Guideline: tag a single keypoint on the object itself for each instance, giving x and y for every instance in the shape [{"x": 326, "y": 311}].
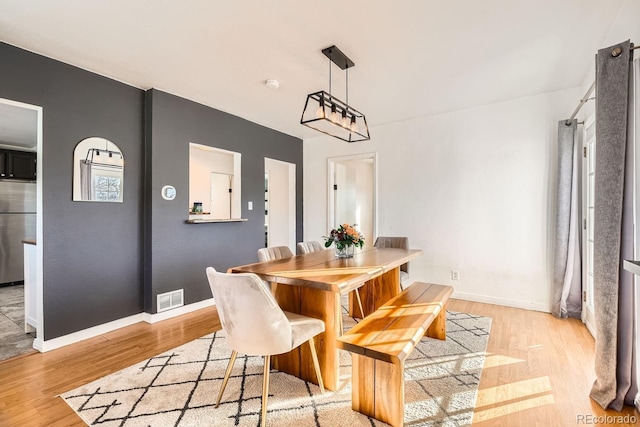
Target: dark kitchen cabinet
[
  {"x": 3, "y": 164},
  {"x": 17, "y": 165}
]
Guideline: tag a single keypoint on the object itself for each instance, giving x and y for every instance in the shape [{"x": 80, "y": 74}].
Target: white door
[
  {"x": 221, "y": 190},
  {"x": 589, "y": 179},
  {"x": 280, "y": 207}
]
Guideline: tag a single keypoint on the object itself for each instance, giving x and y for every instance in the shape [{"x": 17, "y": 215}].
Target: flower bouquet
[{"x": 346, "y": 238}]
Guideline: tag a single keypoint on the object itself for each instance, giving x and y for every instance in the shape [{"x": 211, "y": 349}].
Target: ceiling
[
  {"x": 18, "y": 127},
  {"x": 413, "y": 58}
]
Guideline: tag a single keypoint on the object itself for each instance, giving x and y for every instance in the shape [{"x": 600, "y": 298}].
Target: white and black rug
[{"x": 179, "y": 387}]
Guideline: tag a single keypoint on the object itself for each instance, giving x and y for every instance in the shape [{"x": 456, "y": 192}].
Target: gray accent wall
[
  {"x": 180, "y": 252},
  {"x": 107, "y": 261},
  {"x": 92, "y": 268}
]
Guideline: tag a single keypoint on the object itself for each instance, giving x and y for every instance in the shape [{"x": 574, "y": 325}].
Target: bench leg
[
  {"x": 377, "y": 389},
  {"x": 438, "y": 328}
]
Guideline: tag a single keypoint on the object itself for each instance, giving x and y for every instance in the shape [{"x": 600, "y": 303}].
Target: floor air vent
[{"x": 170, "y": 300}]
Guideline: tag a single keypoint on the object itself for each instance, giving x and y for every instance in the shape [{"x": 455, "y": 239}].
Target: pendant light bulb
[
  {"x": 320, "y": 111},
  {"x": 354, "y": 125},
  {"x": 333, "y": 116},
  {"x": 344, "y": 122}
]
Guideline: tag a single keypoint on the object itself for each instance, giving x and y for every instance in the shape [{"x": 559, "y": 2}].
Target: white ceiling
[
  {"x": 18, "y": 127},
  {"x": 413, "y": 57}
]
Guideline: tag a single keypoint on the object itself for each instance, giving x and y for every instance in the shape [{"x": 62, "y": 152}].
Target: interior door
[
  {"x": 280, "y": 204},
  {"x": 221, "y": 190},
  {"x": 589, "y": 179}
]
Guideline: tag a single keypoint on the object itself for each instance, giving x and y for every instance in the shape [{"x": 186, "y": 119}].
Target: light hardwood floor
[{"x": 538, "y": 371}]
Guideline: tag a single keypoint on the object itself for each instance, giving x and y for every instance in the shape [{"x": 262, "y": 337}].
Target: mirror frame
[{"x": 88, "y": 152}]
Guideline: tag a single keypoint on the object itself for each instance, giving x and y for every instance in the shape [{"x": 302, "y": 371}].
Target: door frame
[
  {"x": 38, "y": 342},
  {"x": 588, "y": 315},
  {"x": 331, "y": 167}
]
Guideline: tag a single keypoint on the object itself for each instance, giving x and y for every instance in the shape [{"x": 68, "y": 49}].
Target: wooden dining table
[{"x": 313, "y": 284}]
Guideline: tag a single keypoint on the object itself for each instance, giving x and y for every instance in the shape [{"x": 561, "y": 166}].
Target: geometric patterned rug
[{"x": 179, "y": 387}]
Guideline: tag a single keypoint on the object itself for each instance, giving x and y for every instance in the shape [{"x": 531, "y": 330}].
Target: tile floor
[{"x": 13, "y": 340}]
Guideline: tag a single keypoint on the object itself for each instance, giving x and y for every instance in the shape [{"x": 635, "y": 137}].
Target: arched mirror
[{"x": 98, "y": 171}]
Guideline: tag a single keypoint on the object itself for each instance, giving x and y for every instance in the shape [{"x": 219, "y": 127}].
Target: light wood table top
[{"x": 322, "y": 270}]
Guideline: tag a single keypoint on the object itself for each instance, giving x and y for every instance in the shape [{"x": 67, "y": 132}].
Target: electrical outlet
[
  {"x": 455, "y": 275},
  {"x": 250, "y": 206}
]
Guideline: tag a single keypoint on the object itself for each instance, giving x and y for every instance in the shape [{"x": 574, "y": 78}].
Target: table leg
[
  {"x": 322, "y": 305},
  {"x": 376, "y": 292}
]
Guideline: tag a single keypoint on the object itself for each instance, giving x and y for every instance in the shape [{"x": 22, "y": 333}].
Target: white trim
[
  {"x": 588, "y": 316},
  {"x": 158, "y": 317},
  {"x": 636, "y": 214},
  {"x": 84, "y": 334},
  {"x": 73, "y": 338},
  {"x": 527, "y": 305},
  {"x": 39, "y": 253}
]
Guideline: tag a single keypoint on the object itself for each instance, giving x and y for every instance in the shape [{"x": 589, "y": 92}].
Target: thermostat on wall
[{"x": 168, "y": 192}]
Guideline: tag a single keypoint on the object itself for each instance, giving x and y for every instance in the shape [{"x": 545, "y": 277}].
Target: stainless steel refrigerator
[{"x": 17, "y": 223}]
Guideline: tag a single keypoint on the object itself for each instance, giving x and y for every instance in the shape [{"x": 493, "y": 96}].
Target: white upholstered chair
[
  {"x": 255, "y": 324},
  {"x": 400, "y": 243},
  {"x": 308, "y": 247},
  {"x": 273, "y": 253}
]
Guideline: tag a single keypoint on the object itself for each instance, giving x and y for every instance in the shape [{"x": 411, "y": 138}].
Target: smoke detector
[{"x": 272, "y": 84}]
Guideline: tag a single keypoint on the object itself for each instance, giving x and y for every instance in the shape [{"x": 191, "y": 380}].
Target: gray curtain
[
  {"x": 615, "y": 382},
  {"x": 567, "y": 274},
  {"x": 85, "y": 179}
]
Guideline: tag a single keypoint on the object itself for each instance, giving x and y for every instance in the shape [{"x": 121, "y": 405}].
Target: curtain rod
[
  {"x": 583, "y": 101},
  {"x": 585, "y": 98}
]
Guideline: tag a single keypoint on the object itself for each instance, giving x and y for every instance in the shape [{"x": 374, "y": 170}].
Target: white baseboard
[
  {"x": 158, "y": 317},
  {"x": 52, "y": 344},
  {"x": 48, "y": 345},
  {"x": 527, "y": 305}
]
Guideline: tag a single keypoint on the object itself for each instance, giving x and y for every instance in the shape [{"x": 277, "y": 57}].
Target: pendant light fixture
[{"x": 329, "y": 115}]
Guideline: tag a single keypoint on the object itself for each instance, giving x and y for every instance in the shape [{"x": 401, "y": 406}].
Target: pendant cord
[
  {"x": 329, "y": 77},
  {"x": 347, "y": 87}
]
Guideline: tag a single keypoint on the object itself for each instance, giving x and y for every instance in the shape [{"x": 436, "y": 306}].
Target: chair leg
[
  {"x": 265, "y": 390},
  {"x": 316, "y": 365},
  {"x": 226, "y": 375},
  {"x": 355, "y": 291}
]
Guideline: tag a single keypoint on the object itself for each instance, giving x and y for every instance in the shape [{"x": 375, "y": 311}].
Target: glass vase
[{"x": 345, "y": 251}]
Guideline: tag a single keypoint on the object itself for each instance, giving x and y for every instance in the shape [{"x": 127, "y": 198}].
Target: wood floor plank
[
  {"x": 29, "y": 386},
  {"x": 538, "y": 371}
]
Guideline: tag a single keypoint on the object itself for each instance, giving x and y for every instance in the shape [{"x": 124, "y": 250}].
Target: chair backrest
[
  {"x": 394, "y": 242},
  {"x": 273, "y": 253},
  {"x": 251, "y": 317},
  {"x": 308, "y": 247}
]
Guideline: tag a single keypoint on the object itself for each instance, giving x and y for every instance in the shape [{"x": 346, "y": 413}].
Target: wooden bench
[{"x": 381, "y": 343}]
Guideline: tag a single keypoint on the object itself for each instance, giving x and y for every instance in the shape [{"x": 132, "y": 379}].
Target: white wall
[
  {"x": 625, "y": 27},
  {"x": 474, "y": 189}
]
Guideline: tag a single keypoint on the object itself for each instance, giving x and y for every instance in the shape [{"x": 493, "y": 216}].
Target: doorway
[
  {"x": 21, "y": 138},
  {"x": 280, "y": 203},
  {"x": 588, "y": 210},
  {"x": 352, "y": 194}
]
